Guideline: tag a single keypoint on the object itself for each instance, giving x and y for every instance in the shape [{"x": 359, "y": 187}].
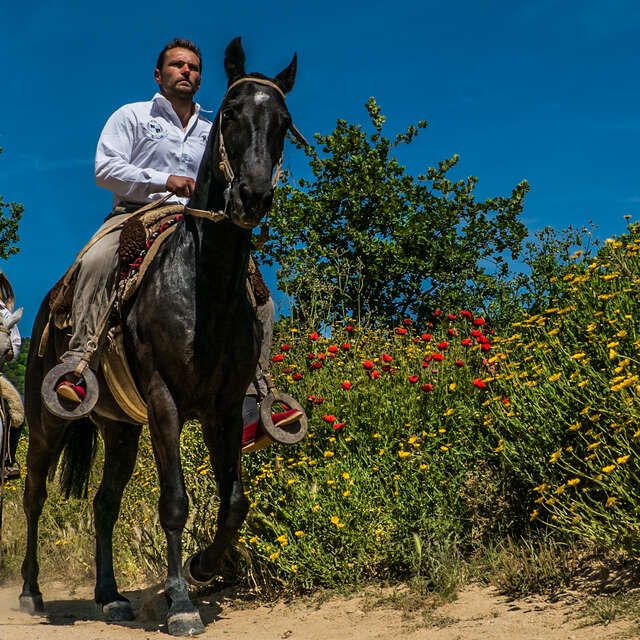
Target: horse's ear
[
  {"x": 14, "y": 318},
  {"x": 234, "y": 60},
  {"x": 285, "y": 79}
]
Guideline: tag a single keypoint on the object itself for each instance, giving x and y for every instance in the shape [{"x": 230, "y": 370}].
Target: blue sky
[{"x": 545, "y": 91}]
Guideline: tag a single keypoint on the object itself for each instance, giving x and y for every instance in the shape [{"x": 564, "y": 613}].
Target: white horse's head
[{"x": 6, "y": 324}]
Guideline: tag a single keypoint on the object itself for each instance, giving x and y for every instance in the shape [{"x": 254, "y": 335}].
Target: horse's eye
[{"x": 227, "y": 115}]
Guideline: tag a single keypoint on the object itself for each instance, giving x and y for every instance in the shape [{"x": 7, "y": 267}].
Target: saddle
[{"x": 142, "y": 235}]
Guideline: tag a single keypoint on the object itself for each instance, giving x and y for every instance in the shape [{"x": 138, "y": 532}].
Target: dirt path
[{"x": 478, "y": 613}]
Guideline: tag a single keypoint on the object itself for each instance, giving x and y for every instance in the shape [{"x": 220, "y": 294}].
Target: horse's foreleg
[
  {"x": 121, "y": 446},
  {"x": 183, "y": 618},
  {"x": 223, "y": 443},
  {"x": 43, "y": 445}
]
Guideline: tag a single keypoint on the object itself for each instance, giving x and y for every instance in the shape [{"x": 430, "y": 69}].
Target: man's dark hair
[{"x": 183, "y": 44}]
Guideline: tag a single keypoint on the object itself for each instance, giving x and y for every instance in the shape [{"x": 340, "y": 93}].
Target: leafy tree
[
  {"x": 365, "y": 238},
  {"x": 10, "y": 214}
]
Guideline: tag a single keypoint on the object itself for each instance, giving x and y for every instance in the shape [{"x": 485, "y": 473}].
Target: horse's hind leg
[
  {"x": 223, "y": 442},
  {"x": 121, "y": 447},
  {"x": 45, "y": 434}
]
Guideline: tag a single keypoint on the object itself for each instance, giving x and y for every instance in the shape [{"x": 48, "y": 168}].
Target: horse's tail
[{"x": 76, "y": 455}]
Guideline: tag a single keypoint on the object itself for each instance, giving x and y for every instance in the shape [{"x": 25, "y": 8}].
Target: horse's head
[
  {"x": 7, "y": 321},
  {"x": 252, "y": 124}
]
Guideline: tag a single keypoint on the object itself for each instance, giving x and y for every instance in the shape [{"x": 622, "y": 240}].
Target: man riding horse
[{"x": 147, "y": 151}]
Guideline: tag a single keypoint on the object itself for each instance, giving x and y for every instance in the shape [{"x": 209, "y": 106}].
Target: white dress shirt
[
  {"x": 142, "y": 144},
  {"x": 16, "y": 340}
]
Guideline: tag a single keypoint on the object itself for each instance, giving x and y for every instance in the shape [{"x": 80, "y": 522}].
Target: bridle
[{"x": 225, "y": 165}]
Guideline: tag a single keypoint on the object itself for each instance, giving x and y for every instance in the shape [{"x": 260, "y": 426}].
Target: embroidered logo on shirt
[
  {"x": 204, "y": 137},
  {"x": 154, "y": 130}
]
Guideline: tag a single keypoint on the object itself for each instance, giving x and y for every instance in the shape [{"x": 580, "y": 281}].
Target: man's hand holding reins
[{"x": 181, "y": 185}]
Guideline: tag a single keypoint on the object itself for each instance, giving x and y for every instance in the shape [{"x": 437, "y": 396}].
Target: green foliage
[
  {"x": 15, "y": 369},
  {"x": 10, "y": 214},
  {"x": 571, "y": 374},
  {"x": 365, "y": 238}
]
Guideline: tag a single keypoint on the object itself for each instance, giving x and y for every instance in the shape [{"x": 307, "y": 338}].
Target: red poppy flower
[
  {"x": 401, "y": 331},
  {"x": 311, "y": 356},
  {"x": 459, "y": 363},
  {"x": 467, "y": 342},
  {"x": 311, "y": 398},
  {"x": 346, "y": 346},
  {"x": 349, "y": 329},
  {"x": 316, "y": 365},
  {"x": 505, "y": 402},
  {"x": 475, "y": 333},
  {"x": 331, "y": 355},
  {"x": 318, "y": 400},
  {"x": 287, "y": 370},
  {"x": 386, "y": 367},
  {"x": 367, "y": 364},
  {"x": 485, "y": 346},
  {"x": 284, "y": 347},
  {"x": 438, "y": 356},
  {"x": 452, "y": 316},
  {"x": 413, "y": 379},
  {"x": 443, "y": 345},
  {"x": 427, "y": 387},
  {"x": 346, "y": 385},
  {"x": 482, "y": 339},
  {"x": 332, "y": 348},
  {"x": 479, "y": 322},
  {"x": 330, "y": 418},
  {"x": 278, "y": 358},
  {"x": 425, "y": 364},
  {"x": 406, "y": 321},
  {"x": 427, "y": 358},
  {"x": 437, "y": 312},
  {"x": 426, "y": 337},
  {"x": 416, "y": 340},
  {"x": 339, "y": 425},
  {"x": 479, "y": 383},
  {"x": 296, "y": 376},
  {"x": 385, "y": 357},
  {"x": 314, "y": 335},
  {"x": 375, "y": 374},
  {"x": 466, "y": 314},
  {"x": 452, "y": 332},
  {"x": 322, "y": 356}
]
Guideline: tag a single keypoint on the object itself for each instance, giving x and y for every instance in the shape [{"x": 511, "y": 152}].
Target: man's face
[{"x": 180, "y": 74}]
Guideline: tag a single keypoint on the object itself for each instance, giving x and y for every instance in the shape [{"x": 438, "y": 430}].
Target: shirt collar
[{"x": 164, "y": 105}]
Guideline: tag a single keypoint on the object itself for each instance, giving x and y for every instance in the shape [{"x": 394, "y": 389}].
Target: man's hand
[{"x": 181, "y": 185}]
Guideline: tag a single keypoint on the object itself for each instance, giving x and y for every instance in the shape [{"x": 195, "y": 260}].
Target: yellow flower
[
  {"x": 346, "y": 475},
  {"x": 335, "y": 519},
  {"x": 274, "y": 555},
  {"x": 578, "y": 356},
  {"x": 573, "y": 482},
  {"x": 403, "y": 454},
  {"x": 315, "y": 508},
  {"x": 623, "y": 459},
  {"x": 611, "y": 501},
  {"x": 533, "y": 515},
  {"x": 609, "y": 468},
  {"x": 452, "y": 386},
  {"x": 253, "y": 539},
  {"x": 328, "y": 454},
  {"x": 448, "y": 412},
  {"x": 282, "y": 540},
  {"x": 294, "y": 568},
  {"x": 555, "y": 377},
  {"x": 298, "y": 534},
  {"x": 346, "y": 493}
]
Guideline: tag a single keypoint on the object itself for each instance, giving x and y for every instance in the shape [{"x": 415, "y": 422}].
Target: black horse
[{"x": 192, "y": 341}]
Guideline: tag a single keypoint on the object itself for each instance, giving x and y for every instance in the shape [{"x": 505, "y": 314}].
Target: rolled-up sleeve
[{"x": 113, "y": 168}]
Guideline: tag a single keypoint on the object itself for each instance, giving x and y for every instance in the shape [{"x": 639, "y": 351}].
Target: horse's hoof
[
  {"x": 185, "y": 624},
  {"x": 188, "y": 576},
  {"x": 118, "y": 611},
  {"x": 32, "y": 605}
]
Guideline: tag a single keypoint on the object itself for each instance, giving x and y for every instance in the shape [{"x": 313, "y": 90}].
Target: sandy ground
[{"x": 477, "y": 613}]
